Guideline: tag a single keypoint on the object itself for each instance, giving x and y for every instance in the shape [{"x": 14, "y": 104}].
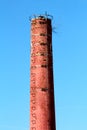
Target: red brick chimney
[{"x": 42, "y": 110}]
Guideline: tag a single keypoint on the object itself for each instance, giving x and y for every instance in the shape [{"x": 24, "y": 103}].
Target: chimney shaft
[{"x": 42, "y": 111}]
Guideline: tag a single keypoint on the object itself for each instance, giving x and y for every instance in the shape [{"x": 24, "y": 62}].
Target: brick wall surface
[{"x": 42, "y": 113}]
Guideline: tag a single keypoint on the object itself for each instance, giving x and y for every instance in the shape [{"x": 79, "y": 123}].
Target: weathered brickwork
[{"x": 42, "y": 113}]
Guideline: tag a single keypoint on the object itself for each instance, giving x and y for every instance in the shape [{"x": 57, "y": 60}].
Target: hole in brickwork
[
  {"x": 42, "y": 34},
  {"x": 44, "y": 89},
  {"x": 32, "y": 60},
  {"x": 43, "y": 44},
  {"x": 45, "y": 66},
  {"x": 44, "y": 60},
  {"x": 42, "y": 22},
  {"x": 33, "y": 67},
  {"x": 40, "y": 54}
]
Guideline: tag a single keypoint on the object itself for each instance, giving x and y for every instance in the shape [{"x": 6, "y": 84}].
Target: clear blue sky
[{"x": 70, "y": 62}]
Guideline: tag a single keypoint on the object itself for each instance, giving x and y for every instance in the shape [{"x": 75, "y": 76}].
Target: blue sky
[{"x": 70, "y": 62}]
